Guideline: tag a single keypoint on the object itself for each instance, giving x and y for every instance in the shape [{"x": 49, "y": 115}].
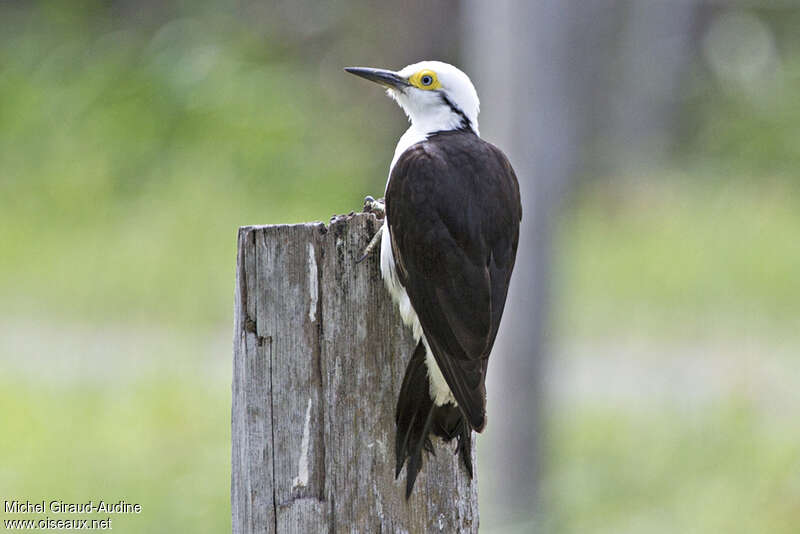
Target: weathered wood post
[{"x": 319, "y": 356}]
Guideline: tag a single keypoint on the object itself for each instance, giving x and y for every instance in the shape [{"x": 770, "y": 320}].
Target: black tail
[{"x": 417, "y": 416}]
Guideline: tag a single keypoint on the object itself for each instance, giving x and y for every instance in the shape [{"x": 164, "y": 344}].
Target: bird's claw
[
  {"x": 376, "y": 207},
  {"x": 373, "y": 243}
]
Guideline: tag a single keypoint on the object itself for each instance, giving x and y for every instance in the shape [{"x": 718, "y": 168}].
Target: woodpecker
[{"x": 448, "y": 246}]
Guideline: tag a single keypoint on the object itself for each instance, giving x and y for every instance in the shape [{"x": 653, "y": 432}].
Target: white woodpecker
[{"x": 447, "y": 252}]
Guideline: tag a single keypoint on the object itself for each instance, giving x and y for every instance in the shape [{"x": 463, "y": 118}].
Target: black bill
[{"x": 381, "y": 76}]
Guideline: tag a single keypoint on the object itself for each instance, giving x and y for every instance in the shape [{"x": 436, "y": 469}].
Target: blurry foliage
[
  {"x": 161, "y": 443},
  {"x": 721, "y": 469},
  {"x": 742, "y": 115},
  {"x": 130, "y": 156},
  {"x": 680, "y": 254}
]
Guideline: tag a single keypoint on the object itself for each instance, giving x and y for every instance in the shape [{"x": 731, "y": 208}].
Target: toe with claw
[
  {"x": 376, "y": 207},
  {"x": 373, "y": 244}
]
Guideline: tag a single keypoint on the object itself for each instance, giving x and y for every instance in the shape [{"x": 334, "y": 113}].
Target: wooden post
[{"x": 319, "y": 356}]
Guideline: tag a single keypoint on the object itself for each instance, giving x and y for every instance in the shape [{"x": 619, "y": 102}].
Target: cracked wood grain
[{"x": 319, "y": 356}]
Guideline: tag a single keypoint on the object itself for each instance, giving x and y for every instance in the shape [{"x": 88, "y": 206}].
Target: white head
[{"x": 436, "y": 96}]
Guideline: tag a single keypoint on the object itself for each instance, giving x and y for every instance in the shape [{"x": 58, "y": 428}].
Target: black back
[{"x": 453, "y": 208}]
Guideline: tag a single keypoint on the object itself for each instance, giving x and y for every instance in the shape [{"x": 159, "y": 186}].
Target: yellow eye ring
[{"x": 425, "y": 80}]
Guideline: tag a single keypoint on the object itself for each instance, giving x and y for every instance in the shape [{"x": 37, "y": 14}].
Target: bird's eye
[{"x": 425, "y": 79}]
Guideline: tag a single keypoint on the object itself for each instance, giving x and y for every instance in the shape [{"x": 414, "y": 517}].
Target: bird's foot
[
  {"x": 376, "y": 207},
  {"x": 373, "y": 244}
]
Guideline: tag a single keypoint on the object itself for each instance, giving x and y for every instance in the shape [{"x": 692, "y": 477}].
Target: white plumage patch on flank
[
  {"x": 439, "y": 390},
  {"x": 396, "y": 289}
]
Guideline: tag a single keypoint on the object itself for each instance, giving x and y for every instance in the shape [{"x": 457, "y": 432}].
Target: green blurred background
[{"x": 135, "y": 137}]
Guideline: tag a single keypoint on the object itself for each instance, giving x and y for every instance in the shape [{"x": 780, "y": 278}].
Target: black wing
[{"x": 453, "y": 208}]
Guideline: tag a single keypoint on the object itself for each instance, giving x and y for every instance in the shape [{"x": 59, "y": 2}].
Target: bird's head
[{"x": 436, "y": 96}]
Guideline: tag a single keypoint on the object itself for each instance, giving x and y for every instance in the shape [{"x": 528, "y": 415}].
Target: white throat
[
  {"x": 435, "y": 119},
  {"x": 435, "y": 113}
]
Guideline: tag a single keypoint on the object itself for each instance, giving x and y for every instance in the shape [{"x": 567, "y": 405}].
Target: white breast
[{"x": 412, "y": 136}]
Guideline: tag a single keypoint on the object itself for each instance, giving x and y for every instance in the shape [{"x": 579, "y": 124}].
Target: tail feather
[
  {"x": 417, "y": 416},
  {"x": 450, "y": 423}
]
